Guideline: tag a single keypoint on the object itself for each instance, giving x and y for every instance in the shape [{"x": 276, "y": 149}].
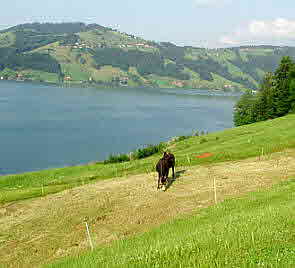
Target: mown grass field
[
  {"x": 229, "y": 145},
  {"x": 254, "y": 231},
  {"x": 41, "y": 230},
  {"x": 119, "y": 201}
]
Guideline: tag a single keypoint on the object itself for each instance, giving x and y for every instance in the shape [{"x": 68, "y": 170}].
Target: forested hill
[{"x": 92, "y": 54}]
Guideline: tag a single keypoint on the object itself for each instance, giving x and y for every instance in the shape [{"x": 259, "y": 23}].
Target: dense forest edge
[
  {"x": 275, "y": 98},
  {"x": 93, "y": 55}
]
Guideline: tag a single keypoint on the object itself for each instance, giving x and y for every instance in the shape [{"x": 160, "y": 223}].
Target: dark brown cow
[
  {"x": 163, "y": 166},
  {"x": 170, "y": 158},
  {"x": 162, "y": 170}
]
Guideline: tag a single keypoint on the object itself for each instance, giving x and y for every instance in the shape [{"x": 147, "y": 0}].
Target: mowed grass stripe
[{"x": 256, "y": 230}]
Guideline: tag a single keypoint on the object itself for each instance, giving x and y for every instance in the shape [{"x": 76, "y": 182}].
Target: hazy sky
[{"x": 205, "y": 23}]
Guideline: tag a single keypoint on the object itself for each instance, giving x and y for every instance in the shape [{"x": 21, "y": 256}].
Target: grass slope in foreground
[
  {"x": 229, "y": 145},
  {"x": 256, "y": 230}
]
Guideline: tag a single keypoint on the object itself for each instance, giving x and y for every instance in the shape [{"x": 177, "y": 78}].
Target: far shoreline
[{"x": 99, "y": 86}]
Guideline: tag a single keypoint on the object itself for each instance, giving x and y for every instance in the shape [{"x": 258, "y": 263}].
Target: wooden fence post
[
  {"x": 88, "y": 234},
  {"x": 215, "y": 191}
]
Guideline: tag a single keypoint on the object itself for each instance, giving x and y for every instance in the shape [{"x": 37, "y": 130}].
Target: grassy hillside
[
  {"x": 121, "y": 200},
  {"x": 252, "y": 231},
  {"x": 83, "y": 52},
  {"x": 229, "y": 145}
]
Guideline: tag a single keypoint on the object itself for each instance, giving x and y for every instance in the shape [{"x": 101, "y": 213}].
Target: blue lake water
[{"x": 44, "y": 126}]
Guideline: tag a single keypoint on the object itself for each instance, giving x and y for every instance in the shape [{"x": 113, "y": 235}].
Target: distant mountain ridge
[{"x": 92, "y": 54}]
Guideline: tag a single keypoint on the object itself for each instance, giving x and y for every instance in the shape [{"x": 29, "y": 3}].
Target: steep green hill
[{"x": 92, "y": 54}]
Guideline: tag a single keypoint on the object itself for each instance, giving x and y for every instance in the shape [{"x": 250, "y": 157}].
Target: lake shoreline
[
  {"x": 98, "y": 86},
  {"x": 45, "y": 126}
]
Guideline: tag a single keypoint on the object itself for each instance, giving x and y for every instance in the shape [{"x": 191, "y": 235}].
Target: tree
[
  {"x": 292, "y": 95},
  {"x": 244, "y": 109},
  {"x": 276, "y": 96},
  {"x": 282, "y": 77},
  {"x": 8, "y": 73},
  {"x": 264, "y": 107}
]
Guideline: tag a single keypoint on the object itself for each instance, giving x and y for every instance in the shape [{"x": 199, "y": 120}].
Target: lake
[{"x": 45, "y": 126}]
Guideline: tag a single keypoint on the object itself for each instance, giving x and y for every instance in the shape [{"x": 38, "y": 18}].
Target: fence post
[
  {"x": 88, "y": 234},
  {"x": 215, "y": 192},
  {"x": 188, "y": 159}
]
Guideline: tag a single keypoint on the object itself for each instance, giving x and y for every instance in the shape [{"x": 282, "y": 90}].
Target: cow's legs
[
  {"x": 173, "y": 172},
  {"x": 159, "y": 179},
  {"x": 167, "y": 176}
]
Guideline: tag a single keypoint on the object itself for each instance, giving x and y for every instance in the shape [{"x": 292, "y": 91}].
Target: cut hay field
[{"x": 42, "y": 214}]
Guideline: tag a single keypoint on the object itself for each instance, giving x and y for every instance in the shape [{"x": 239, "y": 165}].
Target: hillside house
[
  {"x": 177, "y": 83},
  {"x": 228, "y": 86},
  {"x": 124, "y": 80}
]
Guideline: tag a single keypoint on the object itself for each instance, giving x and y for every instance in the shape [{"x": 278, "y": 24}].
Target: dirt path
[{"x": 37, "y": 231}]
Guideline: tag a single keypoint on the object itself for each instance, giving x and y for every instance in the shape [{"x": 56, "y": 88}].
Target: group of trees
[
  {"x": 146, "y": 63},
  {"x": 205, "y": 66},
  {"x": 154, "y": 63},
  {"x": 30, "y": 36},
  {"x": 26, "y": 41},
  {"x": 34, "y": 61},
  {"x": 54, "y": 28},
  {"x": 254, "y": 62},
  {"x": 275, "y": 98},
  {"x": 69, "y": 39},
  {"x": 11, "y": 63}
]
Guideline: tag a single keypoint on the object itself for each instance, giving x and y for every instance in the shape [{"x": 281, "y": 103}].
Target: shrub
[
  {"x": 203, "y": 140},
  {"x": 138, "y": 154},
  {"x": 149, "y": 150},
  {"x": 117, "y": 159},
  {"x": 181, "y": 138}
]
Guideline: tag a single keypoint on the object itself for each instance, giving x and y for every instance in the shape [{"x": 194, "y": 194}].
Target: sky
[{"x": 199, "y": 23}]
